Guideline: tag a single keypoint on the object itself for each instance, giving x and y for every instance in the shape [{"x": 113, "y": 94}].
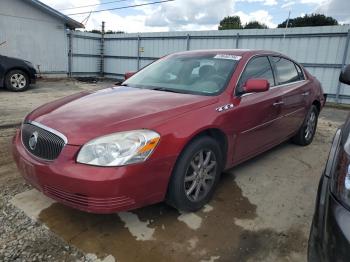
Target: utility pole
[
  {"x": 102, "y": 49},
  {"x": 284, "y": 36}
]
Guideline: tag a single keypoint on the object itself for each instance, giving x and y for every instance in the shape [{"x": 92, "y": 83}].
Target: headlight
[
  {"x": 340, "y": 186},
  {"x": 119, "y": 149}
]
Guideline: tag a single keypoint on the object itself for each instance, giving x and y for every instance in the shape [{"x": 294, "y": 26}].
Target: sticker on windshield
[{"x": 228, "y": 57}]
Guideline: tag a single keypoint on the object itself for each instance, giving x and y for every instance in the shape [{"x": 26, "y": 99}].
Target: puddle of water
[
  {"x": 165, "y": 238},
  {"x": 196, "y": 236}
]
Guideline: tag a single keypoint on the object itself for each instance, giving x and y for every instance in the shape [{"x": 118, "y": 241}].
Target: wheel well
[
  {"x": 17, "y": 68},
  {"x": 219, "y": 136},
  {"x": 317, "y": 104}
]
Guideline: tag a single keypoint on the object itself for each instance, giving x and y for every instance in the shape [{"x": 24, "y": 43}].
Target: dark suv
[
  {"x": 330, "y": 230},
  {"x": 16, "y": 74}
]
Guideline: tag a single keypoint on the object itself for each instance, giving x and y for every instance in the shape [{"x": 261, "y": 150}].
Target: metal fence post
[
  {"x": 138, "y": 52},
  {"x": 237, "y": 40},
  {"x": 70, "y": 52},
  {"x": 188, "y": 42},
  {"x": 346, "y": 49},
  {"x": 102, "y": 49}
]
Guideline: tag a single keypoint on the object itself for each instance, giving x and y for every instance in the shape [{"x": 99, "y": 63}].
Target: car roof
[{"x": 240, "y": 52}]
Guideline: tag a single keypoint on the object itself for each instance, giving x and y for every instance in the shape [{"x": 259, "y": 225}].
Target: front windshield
[{"x": 194, "y": 74}]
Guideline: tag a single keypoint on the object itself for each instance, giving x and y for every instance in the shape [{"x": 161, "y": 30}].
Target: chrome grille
[{"x": 45, "y": 145}]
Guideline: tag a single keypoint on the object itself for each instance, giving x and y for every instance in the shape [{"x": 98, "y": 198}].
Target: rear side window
[
  {"x": 286, "y": 71},
  {"x": 258, "y": 67}
]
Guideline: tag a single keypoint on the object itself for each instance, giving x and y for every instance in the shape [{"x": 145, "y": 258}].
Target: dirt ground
[{"x": 261, "y": 211}]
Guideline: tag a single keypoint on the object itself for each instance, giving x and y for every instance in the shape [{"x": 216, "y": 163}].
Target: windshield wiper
[{"x": 166, "y": 90}]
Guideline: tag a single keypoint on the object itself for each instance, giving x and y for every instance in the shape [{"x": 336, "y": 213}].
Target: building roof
[{"x": 71, "y": 23}]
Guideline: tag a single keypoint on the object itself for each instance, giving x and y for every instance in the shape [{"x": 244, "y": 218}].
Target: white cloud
[
  {"x": 261, "y": 16},
  {"x": 288, "y": 4},
  {"x": 339, "y": 9},
  {"x": 264, "y": 2},
  {"x": 177, "y": 15},
  {"x": 313, "y": 2},
  {"x": 185, "y": 14}
]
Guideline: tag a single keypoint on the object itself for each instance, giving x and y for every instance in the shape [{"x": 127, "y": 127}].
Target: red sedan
[{"x": 168, "y": 131}]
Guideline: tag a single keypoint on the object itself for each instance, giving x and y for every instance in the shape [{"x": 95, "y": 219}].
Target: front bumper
[
  {"x": 330, "y": 231},
  {"x": 94, "y": 189}
]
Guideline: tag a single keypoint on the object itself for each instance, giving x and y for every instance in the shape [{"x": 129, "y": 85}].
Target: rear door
[
  {"x": 294, "y": 89},
  {"x": 257, "y": 115}
]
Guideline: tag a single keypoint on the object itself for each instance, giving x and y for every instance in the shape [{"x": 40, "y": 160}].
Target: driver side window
[{"x": 258, "y": 67}]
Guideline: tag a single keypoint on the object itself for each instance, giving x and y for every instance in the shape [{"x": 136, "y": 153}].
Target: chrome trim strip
[
  {"x": 271, "y": 121},
  {"x": 263, "y": 124},
  {"x": 49, "y": 130},
  {"x": 278, "y": 86}
]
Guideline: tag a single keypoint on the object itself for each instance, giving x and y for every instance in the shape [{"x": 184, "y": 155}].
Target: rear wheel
[
  {"x": 16, "y": 80},
  {"x": 307, "y": 131},
  {"x": 195, "y": 175}
]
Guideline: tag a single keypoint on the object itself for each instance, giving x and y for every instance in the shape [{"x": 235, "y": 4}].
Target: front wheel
[
  {"x": 307, "y": 131},
  {"x": 17, "y": 80},
  {"x": 195, "y": 175}
]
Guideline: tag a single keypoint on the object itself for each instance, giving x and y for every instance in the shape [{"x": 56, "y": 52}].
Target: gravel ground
[
  {"x": 22, "y": 239},
  {"x": 258, "y": 231}
]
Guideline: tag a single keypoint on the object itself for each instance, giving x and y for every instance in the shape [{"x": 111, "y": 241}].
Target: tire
[
  {"x": 16, "y": 80},
  {"x": 307, "y": 131},
  {"x": 312, "y": 245},
  {"x": 199, "y": 166}
]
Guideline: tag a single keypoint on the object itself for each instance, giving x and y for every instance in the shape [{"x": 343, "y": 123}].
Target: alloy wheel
[
  {"x": 200, "y": 175},
  {"x": 310, "y": 126},
  {"x": 18, "y": 81}
]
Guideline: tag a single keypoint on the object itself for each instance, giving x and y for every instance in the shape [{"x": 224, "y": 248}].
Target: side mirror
[
  {"x": 256, "y": 85},
  {"x": 128, "y": 75},
  {"x": 345, "y": 75}
]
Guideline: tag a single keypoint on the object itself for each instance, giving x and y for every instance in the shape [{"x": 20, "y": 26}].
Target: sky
[{"x": 182, "y": 15}]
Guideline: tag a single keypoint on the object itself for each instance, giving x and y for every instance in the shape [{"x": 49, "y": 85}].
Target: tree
[
  {"x": 107, "y": 32},
  {"x": 255, "y": 25},
  {"x": 95, "y": 31},
  {"x": 309, "y": 20},
  {"x": 230, "y": 22}
]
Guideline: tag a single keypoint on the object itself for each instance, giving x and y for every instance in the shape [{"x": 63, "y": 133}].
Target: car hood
[{"x": 87, "y": 115}]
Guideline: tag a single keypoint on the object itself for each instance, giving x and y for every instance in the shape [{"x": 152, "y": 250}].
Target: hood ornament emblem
[{"x": 33, "y": 140}]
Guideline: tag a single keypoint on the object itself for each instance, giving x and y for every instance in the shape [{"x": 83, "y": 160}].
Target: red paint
[
  {"x": 252, "y": 126},
  {"x": 129, "y": 74},
  {"x": 256, "y": 85}
]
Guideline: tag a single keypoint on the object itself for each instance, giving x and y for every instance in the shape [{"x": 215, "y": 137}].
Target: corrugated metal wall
[
  {"x": 33, "y": 35},
  {"x": 320, "y": 49},
  {"x": 42, "y": 39},
  {"x": 85, "y": 52}
]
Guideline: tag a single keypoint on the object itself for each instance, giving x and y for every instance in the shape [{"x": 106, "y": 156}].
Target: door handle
[
  {"x": 278, "y": 103},
  {"x": 306, "y": 93}
]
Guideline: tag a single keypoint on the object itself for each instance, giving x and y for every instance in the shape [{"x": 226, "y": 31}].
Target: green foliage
[
  {"x": 255, "y": 25},
  {"x": 230, "y": 22},
  {"x": 107, "y": 32},
  {"x": 309, "y": 20}
]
